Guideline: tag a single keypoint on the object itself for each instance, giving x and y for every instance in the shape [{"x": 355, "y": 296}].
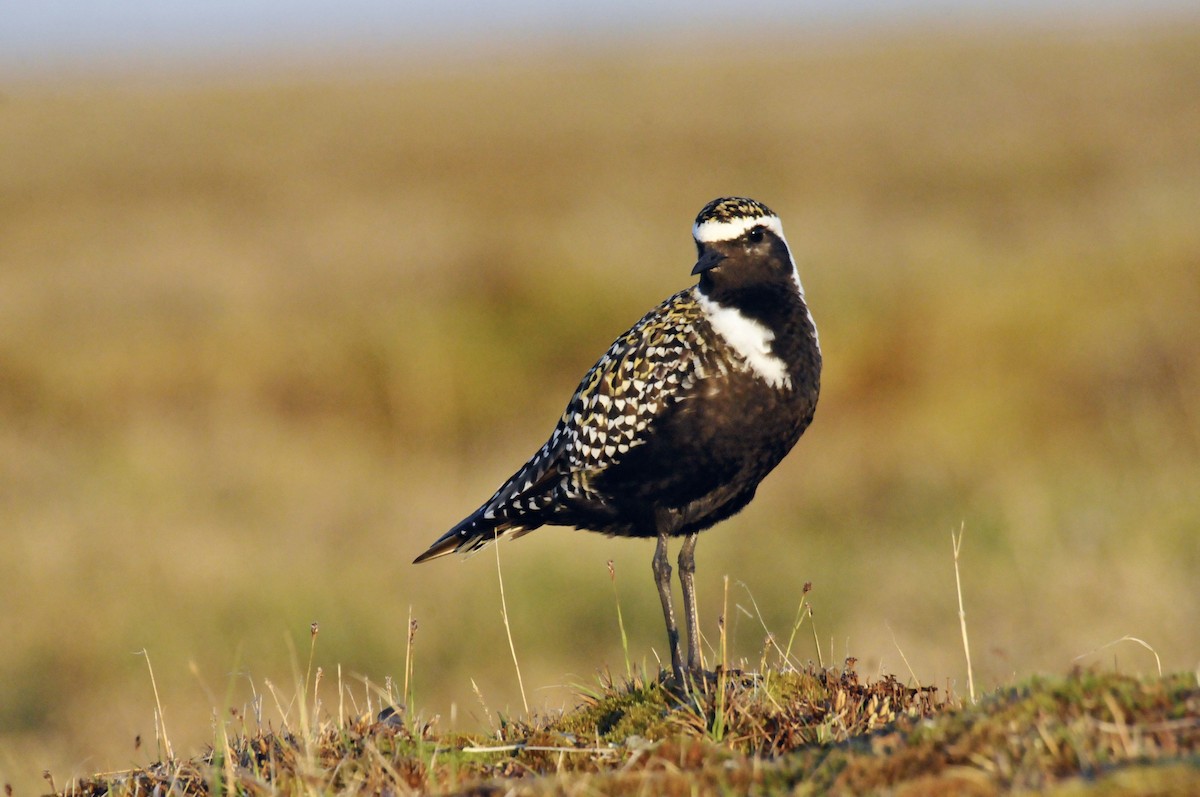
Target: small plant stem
[
  {"x": 408, "y": 660},
  {"x": 313, "y": 629},
  {"x": 800, "y": 613},
  {"x": 724, "y": 617},
  {"x": 816, "y": 640},
  {"x": 722, "y": 677},
  {"x": 482, "y": 702},
  {"x": 612, "y": 574}
]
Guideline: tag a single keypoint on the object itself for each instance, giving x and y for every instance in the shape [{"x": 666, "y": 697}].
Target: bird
[{"x": 677, "y": 423}]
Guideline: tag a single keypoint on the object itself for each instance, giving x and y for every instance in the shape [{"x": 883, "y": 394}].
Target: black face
[{"x": 756, "y": 258}]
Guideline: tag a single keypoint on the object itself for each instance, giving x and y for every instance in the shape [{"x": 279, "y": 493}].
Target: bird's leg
[
  {"x": 687, "y": 574},
  {"x": 662, "y": 577}
]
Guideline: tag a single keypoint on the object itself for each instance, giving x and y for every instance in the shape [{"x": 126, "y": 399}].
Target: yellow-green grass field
[{"x": 265, "y": 335}]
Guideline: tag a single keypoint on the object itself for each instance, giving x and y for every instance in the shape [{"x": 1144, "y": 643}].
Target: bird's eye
[{"x": 755, "y": 236}]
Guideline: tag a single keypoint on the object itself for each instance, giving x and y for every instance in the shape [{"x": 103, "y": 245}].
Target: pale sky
[{"x": 38, "y": 35}]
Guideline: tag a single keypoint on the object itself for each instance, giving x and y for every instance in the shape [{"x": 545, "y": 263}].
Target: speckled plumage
[{"x": 677, "y": 423}]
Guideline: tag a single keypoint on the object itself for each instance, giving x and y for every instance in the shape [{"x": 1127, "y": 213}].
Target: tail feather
[
  {"x": 515, "y": 509},
  {"x": 471, "y": 535}
]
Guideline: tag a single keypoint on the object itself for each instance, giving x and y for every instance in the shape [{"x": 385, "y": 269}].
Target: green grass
[
  {"x": 263, "y": 338},
  {"x": 811, "y": 731}
]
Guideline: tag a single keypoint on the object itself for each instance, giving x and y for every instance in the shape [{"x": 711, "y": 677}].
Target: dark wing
[{"x": 612, "y": 412}]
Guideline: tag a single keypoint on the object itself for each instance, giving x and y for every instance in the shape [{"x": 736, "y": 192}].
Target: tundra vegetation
[{"x": 265, "y": 332}]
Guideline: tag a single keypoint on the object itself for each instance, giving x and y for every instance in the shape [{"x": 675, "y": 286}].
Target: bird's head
[{"x": 739, "y": 242}]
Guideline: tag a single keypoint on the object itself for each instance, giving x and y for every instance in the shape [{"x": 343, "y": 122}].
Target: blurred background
[{"x": 286, "y": 292}]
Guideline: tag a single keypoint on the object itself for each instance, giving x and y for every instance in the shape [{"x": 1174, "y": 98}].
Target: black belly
[{"x": 702, "y": 463}]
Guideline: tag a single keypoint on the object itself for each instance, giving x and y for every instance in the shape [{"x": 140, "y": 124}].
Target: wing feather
[{"x": 645, "y": 371}]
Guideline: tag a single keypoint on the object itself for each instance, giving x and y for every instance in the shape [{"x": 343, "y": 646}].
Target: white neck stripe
[
  {"x": 749, "y": 338},
  {"x": 715, "y": 230}
]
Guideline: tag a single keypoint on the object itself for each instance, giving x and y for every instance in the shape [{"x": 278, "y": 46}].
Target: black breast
[{"x": 709, "y": 450}]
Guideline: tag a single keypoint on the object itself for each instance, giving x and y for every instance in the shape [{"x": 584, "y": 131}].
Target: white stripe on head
[{"x": 714, "y": 230}]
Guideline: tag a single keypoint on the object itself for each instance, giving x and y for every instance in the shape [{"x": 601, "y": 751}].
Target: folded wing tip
[{"x": 440, "y": 548}]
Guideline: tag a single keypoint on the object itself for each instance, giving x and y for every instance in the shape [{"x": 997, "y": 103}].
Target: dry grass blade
[
  {"x": 512, "y": 648},
  {"x": 962, "y": 613},
  {"x": 912, "y": 674},
  {"x": 160, "y": 722},
  {"x": 1126, "y": 638}
]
